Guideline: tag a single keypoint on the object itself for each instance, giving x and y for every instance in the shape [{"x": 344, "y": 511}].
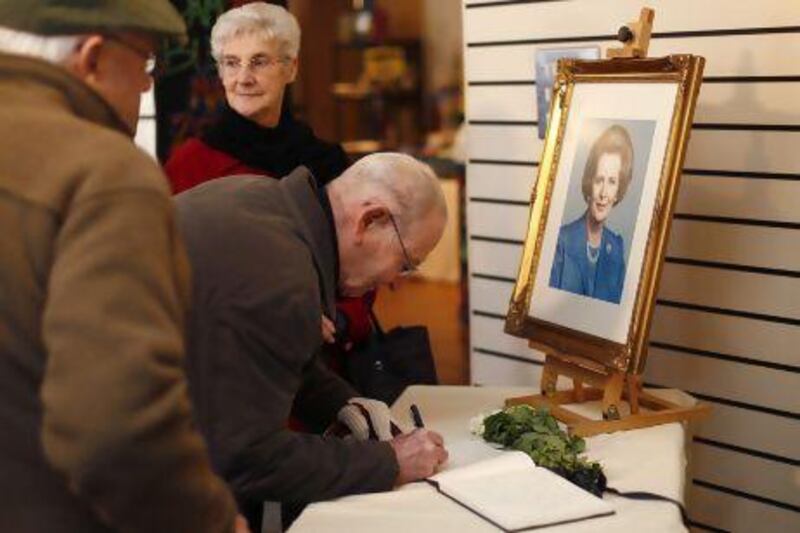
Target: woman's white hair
[
  {"x": 55, "y": 49},
  {"x": 268, "y": 20},
  {"x": 401, "y": 181}
]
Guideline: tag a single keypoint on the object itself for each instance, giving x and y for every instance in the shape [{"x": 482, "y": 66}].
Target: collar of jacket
[
  {"x": 27, "y": 79},
  {"x": 300, "y": 191}
]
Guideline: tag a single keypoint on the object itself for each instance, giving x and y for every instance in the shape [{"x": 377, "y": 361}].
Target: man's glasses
[
  {"x": 149, "y": 57},
  {"x": 409, "y": 266},
  {"x": 230, "y": 66}
]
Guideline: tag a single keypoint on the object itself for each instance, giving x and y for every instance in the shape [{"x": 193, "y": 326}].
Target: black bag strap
[
  {"x": 375, "y": 324},
  {"x": 641, "y": 495}
]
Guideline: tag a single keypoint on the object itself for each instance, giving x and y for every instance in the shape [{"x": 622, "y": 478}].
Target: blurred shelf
[
  {"x": 356, "y": 91},
  {"x": 363, "y": 147}
]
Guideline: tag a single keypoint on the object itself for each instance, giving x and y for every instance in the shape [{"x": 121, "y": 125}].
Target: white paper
[{"x": 511, "y": 491}]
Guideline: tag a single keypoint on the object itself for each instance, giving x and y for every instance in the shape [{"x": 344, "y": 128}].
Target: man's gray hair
[
  {"x": 407, "y": 185},
  {"x": 267, "y": 20},
  {"x": 54, "y": 49}
]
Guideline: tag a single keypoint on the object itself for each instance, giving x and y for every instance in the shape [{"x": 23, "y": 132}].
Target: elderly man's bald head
[{"x": 371, "y": 197}]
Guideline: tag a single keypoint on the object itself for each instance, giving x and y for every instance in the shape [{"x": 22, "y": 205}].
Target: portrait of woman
[{"x": 590, "y": 257}]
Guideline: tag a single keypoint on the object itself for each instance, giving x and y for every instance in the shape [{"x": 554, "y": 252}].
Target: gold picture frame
[{"x": 586, "y": 95}]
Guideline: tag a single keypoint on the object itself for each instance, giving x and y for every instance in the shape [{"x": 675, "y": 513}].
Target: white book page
[{"x": 511, "y": 491}]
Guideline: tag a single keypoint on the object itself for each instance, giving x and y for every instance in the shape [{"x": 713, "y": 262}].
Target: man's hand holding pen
[{"x": 419, "y": 453}]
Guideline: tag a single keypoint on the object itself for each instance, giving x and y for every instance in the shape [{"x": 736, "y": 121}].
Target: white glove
[{"x": 361, "y": 414}]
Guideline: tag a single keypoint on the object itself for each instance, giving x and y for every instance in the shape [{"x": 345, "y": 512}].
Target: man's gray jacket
[{"x": 263, "y": 254}]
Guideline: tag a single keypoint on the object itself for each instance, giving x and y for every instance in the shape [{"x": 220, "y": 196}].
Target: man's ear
[
  {"x": 86, "y": 60},
  {"x": 371, "y": 215}
]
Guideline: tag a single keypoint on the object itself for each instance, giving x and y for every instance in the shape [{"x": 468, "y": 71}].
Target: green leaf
[{"x": 536, "y": 433}]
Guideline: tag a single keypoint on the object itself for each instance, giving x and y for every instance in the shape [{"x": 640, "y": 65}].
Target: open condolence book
[{"x": 514, "y": 494}]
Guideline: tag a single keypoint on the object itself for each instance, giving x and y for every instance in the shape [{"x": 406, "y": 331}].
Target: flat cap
[{"x": 69, "y": 17}]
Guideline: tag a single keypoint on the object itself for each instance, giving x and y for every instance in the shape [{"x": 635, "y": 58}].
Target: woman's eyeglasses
[{"x": 230, "y": 66}]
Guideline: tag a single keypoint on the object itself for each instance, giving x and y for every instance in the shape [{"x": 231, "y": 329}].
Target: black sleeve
[{"x": 321, "y": 395}]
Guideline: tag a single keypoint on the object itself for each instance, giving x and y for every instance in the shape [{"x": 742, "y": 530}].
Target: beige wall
[{"x": 727, "y": 322}]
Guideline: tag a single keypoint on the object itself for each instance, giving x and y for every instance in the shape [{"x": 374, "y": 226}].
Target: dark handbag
[{"x": 391, "y": 361}]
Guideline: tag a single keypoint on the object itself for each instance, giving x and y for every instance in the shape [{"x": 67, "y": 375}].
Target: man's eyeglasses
[
  {"x": 230, "y": 66},
  {"x": 409, "y": 266},
  {"x": 148, "y": 56}
]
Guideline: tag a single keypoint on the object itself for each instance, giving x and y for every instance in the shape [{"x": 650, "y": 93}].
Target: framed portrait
[{"x": 602, "y": 205}]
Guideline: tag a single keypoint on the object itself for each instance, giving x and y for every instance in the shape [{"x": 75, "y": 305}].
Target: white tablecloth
[{"x": 651, "y": 459}]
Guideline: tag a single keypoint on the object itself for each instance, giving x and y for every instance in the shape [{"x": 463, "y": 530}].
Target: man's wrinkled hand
[
  {"x": 419, "y": 454},
  {"x": 365, "y": 417}
]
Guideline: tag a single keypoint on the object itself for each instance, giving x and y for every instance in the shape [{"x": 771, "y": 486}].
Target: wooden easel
[{"x": 592, "y": 381}]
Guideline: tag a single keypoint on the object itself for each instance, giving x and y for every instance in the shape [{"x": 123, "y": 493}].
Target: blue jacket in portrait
[{"x": 573, "y": 270}]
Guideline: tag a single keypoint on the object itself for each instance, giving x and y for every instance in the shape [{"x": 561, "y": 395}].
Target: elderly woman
[
  {"x": 255, "y": 47},
  {"x": 590, "y": 257}
]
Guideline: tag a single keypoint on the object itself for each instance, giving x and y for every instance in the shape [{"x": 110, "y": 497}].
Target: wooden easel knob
[{"x": 635, "y": 35}]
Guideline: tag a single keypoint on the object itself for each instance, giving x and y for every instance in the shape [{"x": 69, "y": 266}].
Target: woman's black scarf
[{"x": 279, "y": 150}]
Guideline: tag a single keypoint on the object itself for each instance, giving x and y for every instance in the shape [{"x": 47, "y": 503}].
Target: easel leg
[
  {"x": 578, "y": 391},
  {"x": 612, "y": 396},
  {"x": 549, "y": 378},
  {"x": 634, "y": 386}
]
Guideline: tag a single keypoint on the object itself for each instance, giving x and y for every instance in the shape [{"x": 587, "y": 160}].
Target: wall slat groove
[
  {"x": 740, "y": 221},
  {"x": 725, "y": 357},
  {"x": 747, "y": 127},
  {"x": 502, "y": 123},
  {"x": 728, "y": 32},
  {"x": 487, "y": 238},
  {"x": 495, "y": 353},
  {"x": 503, "y": 162},
  {"x": 706, "y": 527},
  {"x": 696, "y": 126},
  {"x": 729, "y": 312},
  {"x": 488, "y": 314},
  {"x": 733, "y": 403},
  {"x": 741, "y": 174},
  {"x": 506, "y": 3},
  {"x": 494, "y": 278},
  {"x": 750, "y": 79},
  {"x": 706, "y": 79},
  {"x": 501, "y": 201},
  {"x": 746, "y": 451},
  {"x": 729, "y": 266},
  {"x": 743, "y": 494}
]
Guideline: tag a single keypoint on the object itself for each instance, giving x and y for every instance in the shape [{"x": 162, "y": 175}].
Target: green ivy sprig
[{"x": 536, "y": 432}]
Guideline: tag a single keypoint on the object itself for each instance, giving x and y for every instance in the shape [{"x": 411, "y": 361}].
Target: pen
[{"x": 416, "y": 416}]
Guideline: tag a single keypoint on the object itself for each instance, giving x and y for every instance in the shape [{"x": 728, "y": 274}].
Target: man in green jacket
[{"x": 96, "y": 429}]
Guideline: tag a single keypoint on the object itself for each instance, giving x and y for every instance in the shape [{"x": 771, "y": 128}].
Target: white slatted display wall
[{"x": 727, "y": 322}]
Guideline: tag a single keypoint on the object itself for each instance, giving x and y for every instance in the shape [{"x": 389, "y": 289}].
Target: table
[{"x": 650, "y": 459}]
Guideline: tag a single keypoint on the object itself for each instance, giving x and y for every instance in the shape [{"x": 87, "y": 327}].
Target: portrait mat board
[{"x": 603, "y": 101}]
